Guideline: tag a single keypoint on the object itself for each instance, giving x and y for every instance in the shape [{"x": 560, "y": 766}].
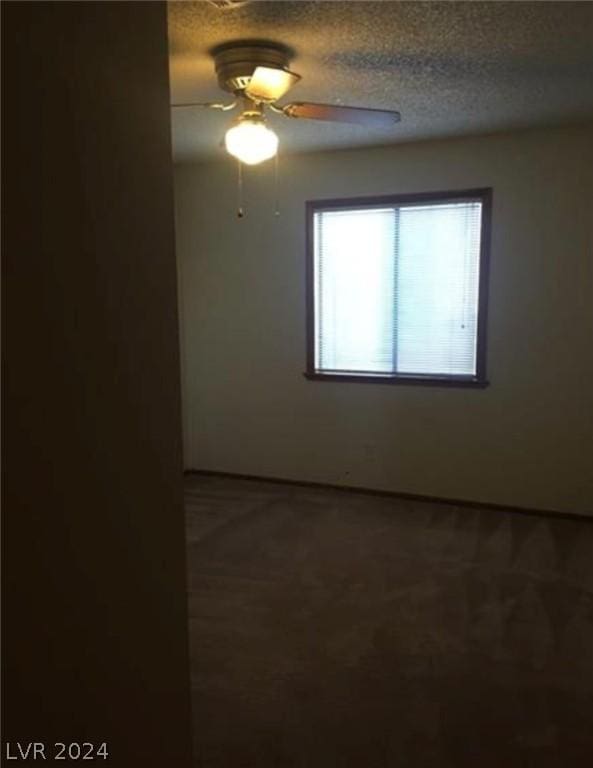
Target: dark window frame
[{"x": 479, "y": 380}]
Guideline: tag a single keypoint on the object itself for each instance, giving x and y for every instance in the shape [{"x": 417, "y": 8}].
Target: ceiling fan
[{"x": 258, "y": 76}]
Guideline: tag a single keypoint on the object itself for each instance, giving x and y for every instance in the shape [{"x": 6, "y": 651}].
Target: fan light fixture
[
  {"x": 258, "y": 75},
  {"x": 250, "y": 140}
]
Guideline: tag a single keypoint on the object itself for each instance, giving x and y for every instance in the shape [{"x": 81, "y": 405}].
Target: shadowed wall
[{"x": 95, "y": 618}]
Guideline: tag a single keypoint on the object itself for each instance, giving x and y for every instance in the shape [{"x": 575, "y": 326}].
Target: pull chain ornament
[
  {"x": 276, "y": 195},
  {"x": 240, "y": 211}
]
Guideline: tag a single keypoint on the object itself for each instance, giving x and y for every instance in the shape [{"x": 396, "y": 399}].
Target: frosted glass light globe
[{"x": 251, "y": 141}]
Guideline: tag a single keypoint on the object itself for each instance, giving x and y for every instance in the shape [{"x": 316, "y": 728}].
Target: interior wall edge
[{"x": 583, "y": 517}]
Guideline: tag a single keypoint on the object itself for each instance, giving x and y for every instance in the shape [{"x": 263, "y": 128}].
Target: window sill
[{"x": 381, "y": 378}]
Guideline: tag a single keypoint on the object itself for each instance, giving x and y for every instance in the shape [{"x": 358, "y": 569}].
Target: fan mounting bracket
[{"x": 235, "y": 63}]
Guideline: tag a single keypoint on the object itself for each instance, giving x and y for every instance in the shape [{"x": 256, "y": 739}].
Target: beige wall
[
  {"x": 527, "y": 440},
  {"x": 95, "y": 643}
]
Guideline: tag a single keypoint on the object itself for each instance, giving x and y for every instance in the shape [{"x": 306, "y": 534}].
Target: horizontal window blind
[{"x": 396, "y": 289}]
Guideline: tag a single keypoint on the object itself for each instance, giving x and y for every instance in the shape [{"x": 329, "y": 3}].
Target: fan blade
[
  {"x": 372, "y": 118},
  {"x": 206, "y": 105},
  {"x": 269, "y": 84}
]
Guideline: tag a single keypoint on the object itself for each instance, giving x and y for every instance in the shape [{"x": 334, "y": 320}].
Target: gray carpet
[{"x": 331, "y": 629}]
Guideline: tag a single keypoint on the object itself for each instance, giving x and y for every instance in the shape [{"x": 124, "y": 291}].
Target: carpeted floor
[{"x": 338, "y": 630}]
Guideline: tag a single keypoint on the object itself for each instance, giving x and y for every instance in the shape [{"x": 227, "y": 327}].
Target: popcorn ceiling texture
[{"x": 451, "y": 68}]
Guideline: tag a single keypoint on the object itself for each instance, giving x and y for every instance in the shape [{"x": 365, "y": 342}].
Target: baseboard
[{"x": 547, "y": 513}]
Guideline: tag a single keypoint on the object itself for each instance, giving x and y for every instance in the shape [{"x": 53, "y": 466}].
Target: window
[{"x": 397, "y": 288}]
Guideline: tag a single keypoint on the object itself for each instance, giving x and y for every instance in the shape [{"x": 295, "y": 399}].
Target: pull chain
[
  {"x": 240, "y": 211},
  {"x": 276, "y": 195}
]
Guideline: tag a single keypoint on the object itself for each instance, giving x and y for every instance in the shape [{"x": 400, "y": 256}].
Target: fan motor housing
[{"x": 236, "y": 62}]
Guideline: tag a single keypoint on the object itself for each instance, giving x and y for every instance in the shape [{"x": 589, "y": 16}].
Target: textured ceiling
[{"x": 450, "y": 68}]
